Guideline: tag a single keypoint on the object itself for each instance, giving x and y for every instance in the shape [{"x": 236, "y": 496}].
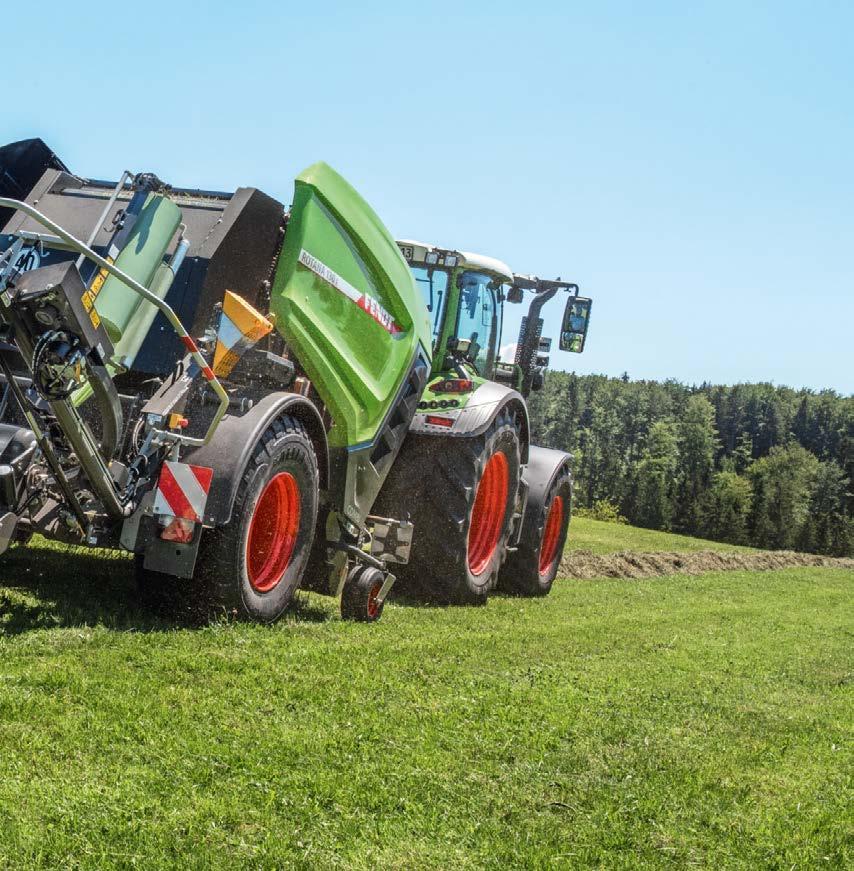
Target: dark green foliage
[
  {"x": 725, "y": 508},
  {"x": 691, "y": 459},
  {"x": 782, "y": 485},
  {"x": 698, "y": 443},
  {"x": 651, "y": 497},
  {"x": 829, "y": 529}
]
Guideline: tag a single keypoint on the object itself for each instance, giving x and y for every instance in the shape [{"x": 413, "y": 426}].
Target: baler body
[{"x": 348, "y": 355}]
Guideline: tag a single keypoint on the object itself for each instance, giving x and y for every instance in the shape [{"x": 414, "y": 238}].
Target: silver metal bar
[
  {"x": 155, "y": 300},
  {"x": 44, "y": 238},
  {"x": 180, "y": 252},
  {"x": 388, "y": 583},
  {"x": 103, "y": 217}
]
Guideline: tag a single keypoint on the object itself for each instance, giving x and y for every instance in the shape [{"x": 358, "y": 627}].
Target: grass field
[
  {"x": 603, "y": 538},
  {"x": 702, "y": 721}
]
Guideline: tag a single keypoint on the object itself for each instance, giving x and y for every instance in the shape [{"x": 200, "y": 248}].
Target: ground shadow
[
  {"x": 52, "y": 587},
  {"x": 421, "y": 596}
]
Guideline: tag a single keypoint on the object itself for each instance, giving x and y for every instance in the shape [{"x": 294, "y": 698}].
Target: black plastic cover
[{"x": 22, "y": 164}]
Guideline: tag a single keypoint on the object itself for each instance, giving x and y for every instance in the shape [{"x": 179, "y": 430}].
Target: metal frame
[{"x": 162, "y": 305}]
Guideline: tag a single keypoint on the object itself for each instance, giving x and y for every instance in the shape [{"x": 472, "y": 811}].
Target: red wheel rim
[
  {"x": 373, "y": 604},
  {"x": 487, "y": 516},
  {"x": 551, "y": 535},
  {"x": 273, "y": 532}
]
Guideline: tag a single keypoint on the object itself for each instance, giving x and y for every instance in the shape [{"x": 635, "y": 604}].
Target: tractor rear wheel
[
  {"x": 253, "y": 565},
  {"x": 459, "y": 493},
  {"x": 531, "y": 569}
]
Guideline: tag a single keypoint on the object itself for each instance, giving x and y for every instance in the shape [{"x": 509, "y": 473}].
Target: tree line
[{"x": 751, "y": 464}]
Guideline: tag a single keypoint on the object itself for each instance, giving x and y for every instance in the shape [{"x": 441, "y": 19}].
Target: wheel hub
[
  {"x": 551, "y": 535},
  {"x": 487, "y": 517},
  {"x": 273, "y": 532}
]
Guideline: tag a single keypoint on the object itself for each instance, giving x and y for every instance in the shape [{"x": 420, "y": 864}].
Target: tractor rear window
[{"x": 433, "y": 283}]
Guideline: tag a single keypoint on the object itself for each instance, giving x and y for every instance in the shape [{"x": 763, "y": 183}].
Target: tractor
[
  {"x": 222, "y": 387},
  {"x": 490, "y": 510}
]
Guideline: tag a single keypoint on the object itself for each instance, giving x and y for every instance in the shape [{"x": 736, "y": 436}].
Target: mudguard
[
  {"x": 478, "y": 414},
  {"x": 231, "y": 447},
  {"x": 543, "y": 467}
]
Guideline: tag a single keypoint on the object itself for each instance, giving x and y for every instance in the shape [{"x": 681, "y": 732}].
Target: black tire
[
  {"x": 359, "y": 595},
  {"x": 530, "y": 570},
  {"x": 252, "y": 566},
  {"x": 435, "y": 482}
]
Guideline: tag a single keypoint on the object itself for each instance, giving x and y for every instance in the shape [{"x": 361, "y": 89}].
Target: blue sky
[{"x": 688, "y": 164}]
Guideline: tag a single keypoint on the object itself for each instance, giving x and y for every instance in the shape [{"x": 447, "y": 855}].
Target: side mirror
[{"x": 576, "y": 318}]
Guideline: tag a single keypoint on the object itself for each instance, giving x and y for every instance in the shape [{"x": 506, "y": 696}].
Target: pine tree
[
  {"x": 698, "y": 443},
  {"x": 726, "y": 508},
  {"x": 651, "y": 501},
  {"x": 827, "y": 529}
]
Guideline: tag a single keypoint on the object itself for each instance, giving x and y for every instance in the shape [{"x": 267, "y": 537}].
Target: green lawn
[
  {"x": 701, "y": 721},
  {"x": 604, "y": 538}
]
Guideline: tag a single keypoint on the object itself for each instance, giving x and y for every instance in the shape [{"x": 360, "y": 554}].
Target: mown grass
[
  {"x": 604, "y": 538},
  {"x": 671, "y": 722}
]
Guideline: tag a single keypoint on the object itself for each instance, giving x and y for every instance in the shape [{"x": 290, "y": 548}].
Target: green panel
[{"x": 346, "y": 303}]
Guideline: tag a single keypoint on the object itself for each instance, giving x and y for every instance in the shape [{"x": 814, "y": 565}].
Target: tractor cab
[{"x": 465, "y": 295}]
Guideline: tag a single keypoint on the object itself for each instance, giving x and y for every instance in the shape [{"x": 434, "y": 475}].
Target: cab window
[
  {"x": 477, "y": 319},
  {"x": 433, "y": 284}
]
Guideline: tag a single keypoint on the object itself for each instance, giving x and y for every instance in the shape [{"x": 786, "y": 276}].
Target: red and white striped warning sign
[{"x": 182, "y": 491}]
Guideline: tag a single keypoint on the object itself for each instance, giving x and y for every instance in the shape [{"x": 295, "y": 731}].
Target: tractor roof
[{"x": 496, "y": 268}]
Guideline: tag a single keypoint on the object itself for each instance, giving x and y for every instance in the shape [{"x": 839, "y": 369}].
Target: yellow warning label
[
  {"x": 98, "y": 283},
  {"x": 100, "y": 278},
  {"x": 226, "y": 360},
  {"x": 88, "y": 301},
  {"x": 96, "y": 321}
]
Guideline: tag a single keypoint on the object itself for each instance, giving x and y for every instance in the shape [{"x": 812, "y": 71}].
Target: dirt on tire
[{"x": 584, "y": 564}]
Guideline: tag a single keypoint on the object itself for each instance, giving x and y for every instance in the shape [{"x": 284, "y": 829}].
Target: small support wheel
[{"x": 359, "y": 598}]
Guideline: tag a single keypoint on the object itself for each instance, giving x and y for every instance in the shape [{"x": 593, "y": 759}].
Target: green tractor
[{"x": 490, "y": 510}]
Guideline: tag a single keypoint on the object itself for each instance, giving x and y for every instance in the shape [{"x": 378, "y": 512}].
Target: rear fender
[
  {"x": 480, "y": 411},
  {"x": 230, "y": 449},
  {"x": 544, "y": 465}
]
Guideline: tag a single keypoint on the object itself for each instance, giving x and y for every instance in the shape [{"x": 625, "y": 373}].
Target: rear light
[
  {"x": 435, "y": 420},
  {"x": 453, "y": 385},
  {"x": 177, "y": 529}
]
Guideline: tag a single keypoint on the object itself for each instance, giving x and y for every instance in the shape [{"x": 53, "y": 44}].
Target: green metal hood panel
[{"x": 346, "y": 303}]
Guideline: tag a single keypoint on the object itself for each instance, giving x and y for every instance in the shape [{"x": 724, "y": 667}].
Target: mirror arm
[{"x": 530, "y": 340}]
